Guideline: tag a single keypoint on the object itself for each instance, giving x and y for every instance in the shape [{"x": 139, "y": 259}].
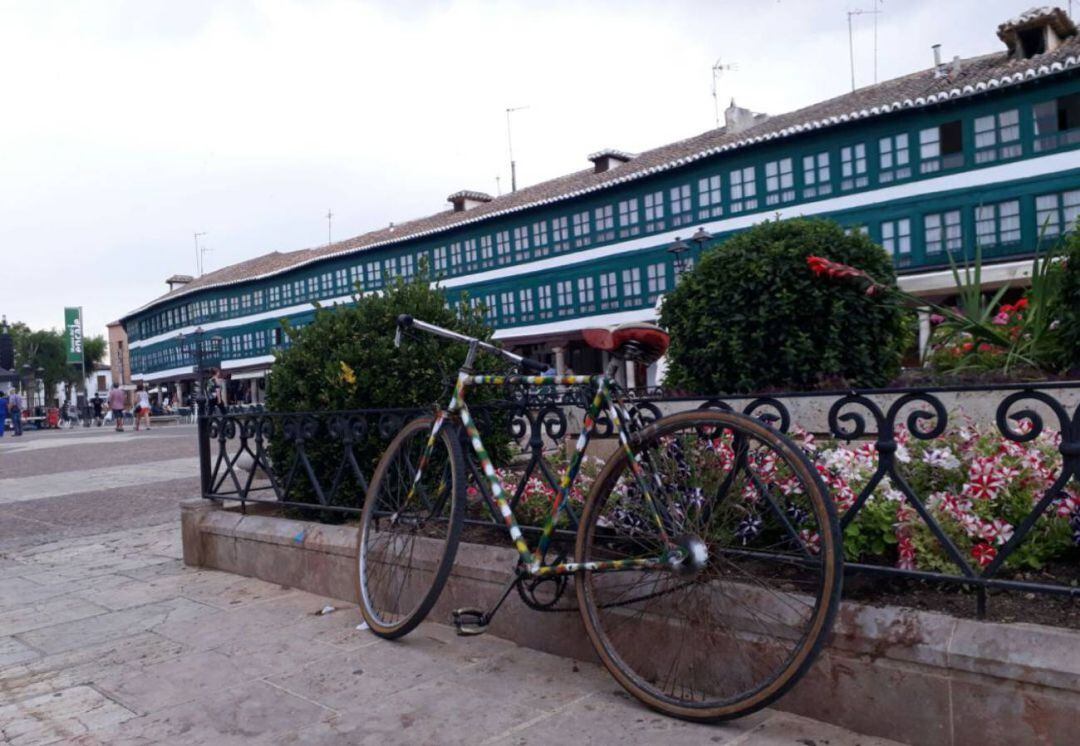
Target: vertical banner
[{"x": 73, "y": 334}]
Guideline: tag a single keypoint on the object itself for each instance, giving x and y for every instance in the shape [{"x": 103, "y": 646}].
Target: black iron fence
[{"x": 320, "y": 461}]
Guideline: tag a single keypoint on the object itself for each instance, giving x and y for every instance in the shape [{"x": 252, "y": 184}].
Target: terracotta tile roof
[{"x": 924, "y": 88}]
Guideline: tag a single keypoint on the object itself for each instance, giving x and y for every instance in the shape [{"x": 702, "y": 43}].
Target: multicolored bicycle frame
[{"x": 532, "y": 562}]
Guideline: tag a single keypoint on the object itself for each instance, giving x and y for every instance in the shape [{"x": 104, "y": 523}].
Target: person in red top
[{"x": 116, "y": 404}]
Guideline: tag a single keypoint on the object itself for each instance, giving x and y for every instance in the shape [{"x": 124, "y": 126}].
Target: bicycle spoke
[
  {"x": 736, "y": 617},
  {"x": 410, "y": 528}
]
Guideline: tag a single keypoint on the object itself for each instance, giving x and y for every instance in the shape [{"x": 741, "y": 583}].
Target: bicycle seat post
[
  {"x": 613, "y": 368},
  {"x": 470, "y": 358}
]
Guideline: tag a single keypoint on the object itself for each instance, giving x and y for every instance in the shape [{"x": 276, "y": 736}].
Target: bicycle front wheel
[
  {"x": 410, "y": 527},
  {"x": 747, "y": 597}
]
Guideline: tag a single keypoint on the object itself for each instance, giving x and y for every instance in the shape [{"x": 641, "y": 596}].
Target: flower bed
[{"x": 978, "y": 486}]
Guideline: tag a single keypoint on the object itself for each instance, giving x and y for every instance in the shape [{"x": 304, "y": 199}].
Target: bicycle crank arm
[{"x": 472, "y": 621}]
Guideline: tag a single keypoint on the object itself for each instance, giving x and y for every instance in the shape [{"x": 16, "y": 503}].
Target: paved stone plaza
[{"x": 106, "y": 638}]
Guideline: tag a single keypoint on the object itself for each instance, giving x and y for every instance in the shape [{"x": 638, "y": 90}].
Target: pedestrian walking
[
  {"x": 116, "y": 405},
  {"x": 3, "y": 411},
  {"x": 142, "y": 407},
  {"x": 217, "y": 393},
  {"x": 96, "y": 403},
  {"x": 15, "y": 409}
]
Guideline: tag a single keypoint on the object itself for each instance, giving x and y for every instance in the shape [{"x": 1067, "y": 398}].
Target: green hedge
[
  {"x": 1065, "y": 307},
  {"x": 752, "y": 317},
  {"x": 346, "y": 359}
]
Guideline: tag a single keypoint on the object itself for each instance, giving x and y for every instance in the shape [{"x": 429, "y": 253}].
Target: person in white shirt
[{"x": 142, "y": 407}]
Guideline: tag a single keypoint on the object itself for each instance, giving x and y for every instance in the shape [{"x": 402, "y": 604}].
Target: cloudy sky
[{"x": 126, "y": 127}]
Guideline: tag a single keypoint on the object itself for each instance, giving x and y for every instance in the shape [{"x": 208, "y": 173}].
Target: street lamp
[
  {"x": 701, "y": 237},
  {"x": 27, "y": 376},
  {"x": 40, "y": 377},
  {"x": 677, "y": 250}
]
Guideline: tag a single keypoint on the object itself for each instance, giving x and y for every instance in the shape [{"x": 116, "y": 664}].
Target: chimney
[
  {"x": 939, "y": 69},
  {"x": 738, "y": 119},
  {"x": 1036, "y": 31},
  {"x": 467, "y": 199},
  {"x": 178, "y": 281},
  {"x": 607, "y": 159}
]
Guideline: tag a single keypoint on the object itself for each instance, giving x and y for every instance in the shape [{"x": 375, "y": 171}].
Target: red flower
[
  {"x": 984, "y": 554},
  {"x": 822, "y": 267},
  {"x": 1021, "y": 304},
  {"x": 984, "y": 480}
]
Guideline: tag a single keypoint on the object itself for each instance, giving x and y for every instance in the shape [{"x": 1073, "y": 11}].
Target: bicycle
[{"x": 707, "y": 559}]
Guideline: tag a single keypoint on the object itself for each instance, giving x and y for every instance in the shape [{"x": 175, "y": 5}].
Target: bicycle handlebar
[{"x": 405, "y": 321}]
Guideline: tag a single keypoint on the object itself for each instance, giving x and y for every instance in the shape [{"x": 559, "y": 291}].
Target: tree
[
  {"x": 752, "y": 317},
  {"x": 45, "y": 349},
  {"x": 346, "y": 359}
]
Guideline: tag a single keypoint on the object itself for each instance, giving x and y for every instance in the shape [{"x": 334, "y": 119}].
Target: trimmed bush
[
  {"x": 1065, "y": 306},
  {"x": 752, "y": 317},
  {"x": 346, "y": 359}
]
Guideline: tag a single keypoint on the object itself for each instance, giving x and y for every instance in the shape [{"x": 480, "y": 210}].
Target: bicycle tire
[
  {"x": 437, "y": 535},
  {"x": 727, "y": 614}
]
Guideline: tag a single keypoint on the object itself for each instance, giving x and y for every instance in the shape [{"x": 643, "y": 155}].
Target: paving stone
[
  {"x": 340, "y": 680},
  {"x": 785, "y": 729},
  {"x": 236, "y": 716},
  {"x": 60, "y": 716},
  {"x": 191, "y": 676},
  {"x": 437, "y": 712},
  {"x": 55, "y": 484},
  {"x": 18, "y": 590},
  {"x": 85, "y": 665},
  {"x": 32, "y": 615},
  {"x": 275, "y": 651},
  {"x": 116, "y": 624},
  {"x": 617, "y": 718},
  {"x": 12, "y": 651}
]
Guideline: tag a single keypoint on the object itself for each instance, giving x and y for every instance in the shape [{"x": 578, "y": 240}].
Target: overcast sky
[{"x": 125, "y": 127}]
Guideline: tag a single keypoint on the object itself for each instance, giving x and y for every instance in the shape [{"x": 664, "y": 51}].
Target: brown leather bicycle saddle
[{"x": 638, "y": 341}]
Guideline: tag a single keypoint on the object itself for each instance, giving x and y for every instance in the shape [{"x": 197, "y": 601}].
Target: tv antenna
[
  {"x": 199, "y": 251},
  {"x": 718, "y": 69},
  {"x": 510, "y": 146},
  {"x": 851, "y": 39}
]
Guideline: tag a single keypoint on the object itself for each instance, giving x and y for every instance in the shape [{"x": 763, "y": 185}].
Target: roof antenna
[
  {"x": 329, "y": 226},
  {"x": 199, "y": 251},
  {"x": 510, "y": 147},
  {"x": 718, "y": 69},
  {"x": 851, "y": 39}
]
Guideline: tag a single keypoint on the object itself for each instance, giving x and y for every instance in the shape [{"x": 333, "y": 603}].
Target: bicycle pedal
[{"x": 470, "y": 621}]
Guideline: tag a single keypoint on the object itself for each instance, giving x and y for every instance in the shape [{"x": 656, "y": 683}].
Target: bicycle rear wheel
[
  {"x": 410, "y": 527},
  {"x": 731, "y": 627}
]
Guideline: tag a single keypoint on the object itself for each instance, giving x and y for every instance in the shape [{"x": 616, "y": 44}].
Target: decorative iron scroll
[{"x": 258, "y": 457}]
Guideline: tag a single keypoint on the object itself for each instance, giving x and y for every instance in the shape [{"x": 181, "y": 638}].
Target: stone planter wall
[{"x": 917, "y": 677}]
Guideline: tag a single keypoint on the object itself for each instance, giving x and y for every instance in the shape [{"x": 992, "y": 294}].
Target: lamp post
[
  {"x": 28, "y": 376},
  {"x": 701, "y": 237},
  {"x": 199, "y": 349},
  {"x": 678, "y": 251}
]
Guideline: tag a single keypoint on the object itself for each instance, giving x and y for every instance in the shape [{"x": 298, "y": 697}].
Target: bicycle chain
[{"x": 548, "y": 607}]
